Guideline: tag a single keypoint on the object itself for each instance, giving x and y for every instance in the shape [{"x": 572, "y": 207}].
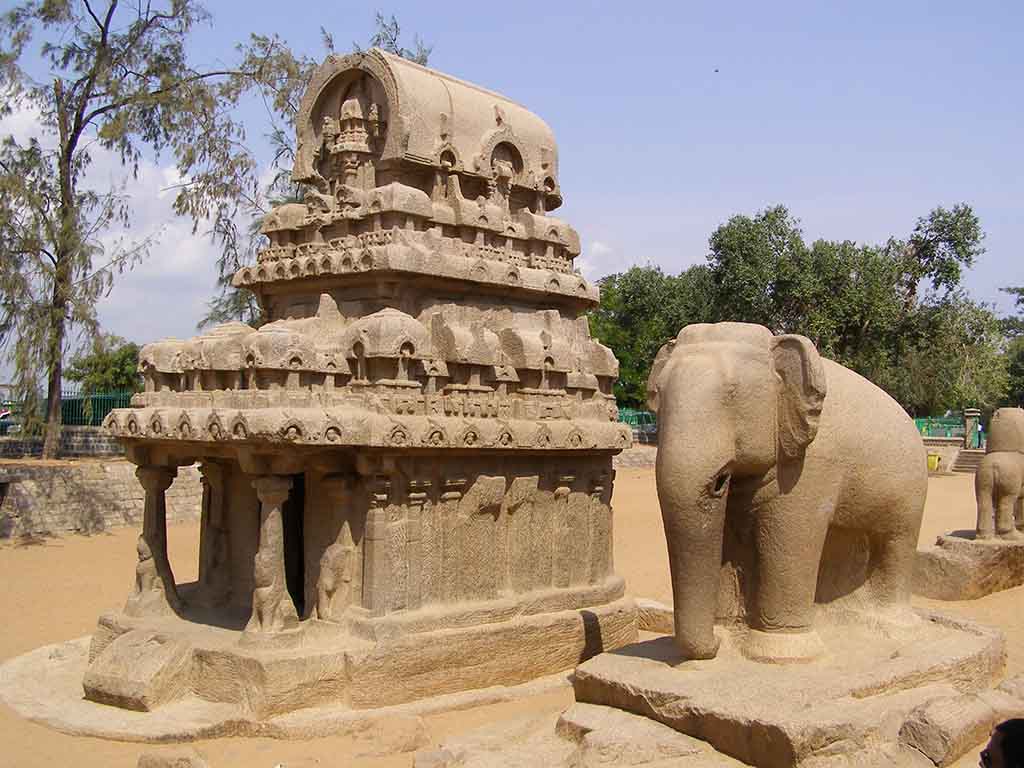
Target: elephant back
[{"x": 1006, "y": 431}]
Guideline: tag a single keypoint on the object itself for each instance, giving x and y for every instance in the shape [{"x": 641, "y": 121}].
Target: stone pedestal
[
  {"x": 850, "y": 704},
  {"x": 584, "y": 736},
  {"x": 962, "y": 567},
  {"x": 140, "y": 670}
]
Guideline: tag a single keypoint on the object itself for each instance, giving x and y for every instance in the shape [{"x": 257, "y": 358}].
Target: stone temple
[{"x": 408, "y": 469}]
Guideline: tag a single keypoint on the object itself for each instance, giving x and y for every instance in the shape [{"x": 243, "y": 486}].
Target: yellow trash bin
[{"x": 933, "y": 462}]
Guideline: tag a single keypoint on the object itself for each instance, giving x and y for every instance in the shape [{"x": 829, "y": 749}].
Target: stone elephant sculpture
[
  {"x": 760, "y": 430},
  {"x": 999, "y": 481}
]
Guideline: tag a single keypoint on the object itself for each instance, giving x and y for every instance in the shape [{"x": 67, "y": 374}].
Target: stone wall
[
  {"x": 74, "y": 442},
  {"x": 636, "y": 457},
  {"x": 948, "y": 448},
  {"x": 85, "y": 497}
]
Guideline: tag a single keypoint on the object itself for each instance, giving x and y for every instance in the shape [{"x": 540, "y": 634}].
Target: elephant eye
[{"x": 721, "y": 483}]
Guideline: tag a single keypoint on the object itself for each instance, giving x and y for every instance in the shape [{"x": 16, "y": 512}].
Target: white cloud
[
  {"x": 166, "y": 294},
  {"x": 600, "y": 258},
  {"x": 23, "y": 124},
  {"x": 171, "y": 178}
]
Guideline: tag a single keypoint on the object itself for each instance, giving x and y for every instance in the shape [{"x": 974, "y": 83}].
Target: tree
[
  {"x": 117, "y": 77},
  {"x": 388, "y": 36},
  {"x": 1015, "y": 372},
  {"x": 238, "y": 206},
  {"x": 640, "y": 310},
  {"x": 111, "y": 365},
  {"x": 859, "y": 304},
  {"x": 941, "y": 245},
  {"x": 955, "y": 361},
  {"x": 283, "y": 77},
  {"x": 1013, "y": 328},
  {"x": 756, "y": 268},
  {"x": 764, "y": 272}
]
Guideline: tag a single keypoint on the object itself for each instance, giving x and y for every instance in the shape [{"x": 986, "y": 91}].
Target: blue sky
[
  {"x": 671, "y": 117},
  {"x": 859, "y": 117}
]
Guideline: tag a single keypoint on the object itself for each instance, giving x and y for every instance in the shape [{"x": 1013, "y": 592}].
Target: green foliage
[
  {"x": 1015, "y": 371},
  {"x": 756, "y": 268},
  {"x": 640, "y": 310},
  {"x": 111, "y": 365},
  {"x": 954, "y": 361},
  {"x": 281, "y": 77},
  {"x": 943, "y": 242},
  {"x": 389, "y": 38},
  {"x": 236, "y": 204},
  {"x": 859, "y": 304},
  {"x": 48, "y": 280},
  {"x": 117, "y": 77},
  {"x": 1013, "y": 327}
]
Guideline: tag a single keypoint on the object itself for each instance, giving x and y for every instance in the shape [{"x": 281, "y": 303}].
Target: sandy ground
[{"x": 55, "y": 589}]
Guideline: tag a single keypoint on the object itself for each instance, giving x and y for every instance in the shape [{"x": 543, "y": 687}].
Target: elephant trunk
[{"x": 693, "y": 504}]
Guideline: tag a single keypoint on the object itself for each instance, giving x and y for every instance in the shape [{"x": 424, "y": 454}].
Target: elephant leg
[
  {"x": 984, "y": 487},
  {"x": 891, "y": 566},
  {"x": 789, "y": 545},
  {"x": 1018, "y": 515},
  {"x": 1006, "y": 507}
]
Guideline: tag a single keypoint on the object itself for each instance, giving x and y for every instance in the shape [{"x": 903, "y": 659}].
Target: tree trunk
[
  {"x": 55, "y": 352},
  {"x": 64, "y": 253}
]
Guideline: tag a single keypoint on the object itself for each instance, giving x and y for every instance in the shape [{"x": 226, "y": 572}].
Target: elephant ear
[
  {"x": 653, "y": 384},
  {"x": 801, "y": 394}
]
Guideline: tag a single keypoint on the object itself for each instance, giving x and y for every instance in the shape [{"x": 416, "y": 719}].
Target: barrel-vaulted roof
[{"x": 431, "y": 118}]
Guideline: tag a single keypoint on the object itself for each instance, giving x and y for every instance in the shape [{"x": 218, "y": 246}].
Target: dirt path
[{"x": 55, "y": 590}]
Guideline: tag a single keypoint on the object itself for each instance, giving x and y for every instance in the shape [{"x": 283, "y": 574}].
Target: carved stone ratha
[{"x": 420, "y": 437}]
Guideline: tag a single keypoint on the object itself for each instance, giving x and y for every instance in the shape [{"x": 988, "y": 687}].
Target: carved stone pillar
[
  {"x": 155, "y": 592},
  {"x": 214, "y": 575},
  {"x": 600, "y": 528},
  {"x": 375, "y": 570},
  {"x": 418, "y": 490},
  {"x": 272, "y": 606},
  {"x": 452, "y": 491},
  {"x": 562, "y": 539}
]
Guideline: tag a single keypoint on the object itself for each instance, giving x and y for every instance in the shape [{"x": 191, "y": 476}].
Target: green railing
[
  {"x": 636, "y": 417},
  {"x": 941, "y": 426},
  {"x": 77, "y": 409}
]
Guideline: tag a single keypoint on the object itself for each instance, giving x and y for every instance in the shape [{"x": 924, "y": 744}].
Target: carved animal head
[{"x": 741, "y": 373}]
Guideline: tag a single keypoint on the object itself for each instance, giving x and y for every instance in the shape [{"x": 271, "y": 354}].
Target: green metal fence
[
  {"x": 89, "y": 410},
  {"x": 940, "y": 426},
  {"x": 636, "y": 417}
]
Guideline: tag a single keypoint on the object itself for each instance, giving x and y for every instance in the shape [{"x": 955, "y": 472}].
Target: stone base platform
[
  {"x": 960, "y": 567},
  {"x": 858, "y": 702},
  {"x": 584, "y": 736},
  {"x": 175, "y": 680},
  {"x": 45, "y": 686}
]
